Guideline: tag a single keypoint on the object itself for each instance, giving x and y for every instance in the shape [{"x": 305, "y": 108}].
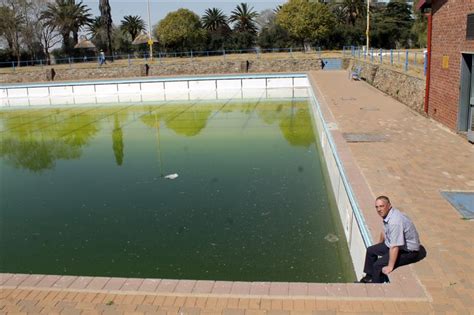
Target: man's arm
[
  {"x": 393, "y": 254},
  {"x": 382, "y": 237}
]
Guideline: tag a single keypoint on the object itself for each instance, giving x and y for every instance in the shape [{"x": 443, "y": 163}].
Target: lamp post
[
  {"x": 150, "y": 41},
  {"x": 368, "y": 27}
]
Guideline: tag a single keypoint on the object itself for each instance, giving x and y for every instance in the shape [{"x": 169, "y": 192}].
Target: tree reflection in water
[
  {"x": 293, "y": 119},
  {"x": 35, "y": 140}
]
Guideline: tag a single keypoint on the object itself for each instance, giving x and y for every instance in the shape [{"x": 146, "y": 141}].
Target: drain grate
[
  {"x": 463, "y": 202},
  {"x": 364, "y": 137}
]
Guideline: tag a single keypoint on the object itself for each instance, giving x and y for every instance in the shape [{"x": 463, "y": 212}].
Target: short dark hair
[{"x": 383, "y": 198}]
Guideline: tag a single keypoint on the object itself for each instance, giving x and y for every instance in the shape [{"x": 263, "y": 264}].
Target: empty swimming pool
[{"x": 225, "y": 190}]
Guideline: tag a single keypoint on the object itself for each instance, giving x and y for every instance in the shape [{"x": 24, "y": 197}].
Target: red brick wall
[{"x": 448, "y": 38}]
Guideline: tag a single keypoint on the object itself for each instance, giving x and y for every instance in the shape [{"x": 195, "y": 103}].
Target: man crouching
[{"x": 399, "y": 244}]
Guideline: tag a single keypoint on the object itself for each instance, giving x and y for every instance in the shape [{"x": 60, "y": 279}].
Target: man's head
[{"x": 383, "y": 206}]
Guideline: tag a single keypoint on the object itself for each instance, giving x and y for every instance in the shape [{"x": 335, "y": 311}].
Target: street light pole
[
  {"x": 150, "y": 41},
  {"x": 368, "y": 27}
]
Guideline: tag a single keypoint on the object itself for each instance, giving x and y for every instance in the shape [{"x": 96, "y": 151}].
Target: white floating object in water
[
  {"x": 331, "y": 238},
  {"x": 171, "y": 176}
]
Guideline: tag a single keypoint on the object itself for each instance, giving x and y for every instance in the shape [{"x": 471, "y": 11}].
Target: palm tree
[
  {"x": 132, "y": 25},
  {"x": 106, "y": 16},
  {"x": 67, "y": 16},
  {"x": 214, "y": 19},
  {"x": 244, "y": 19},
  {"x": 97, "y": 32},
  {"x": 354, "y": 10}
]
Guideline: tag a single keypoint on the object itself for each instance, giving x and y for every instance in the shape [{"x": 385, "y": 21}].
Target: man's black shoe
[{"x": 366, "y": 279}]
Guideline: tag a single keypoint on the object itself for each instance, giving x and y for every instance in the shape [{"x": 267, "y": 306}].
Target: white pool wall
[{"x": 171, "y": 89}]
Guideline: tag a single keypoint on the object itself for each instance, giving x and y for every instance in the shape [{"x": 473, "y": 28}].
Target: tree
[
  {"x": 98, "y": 33},
  {"x": 392, "y": 25},
  {"x": 67, "y": 16},
  {"x": 306, "y": 21},
  {"x": 271, "y": 34},
  {"x": 11, "y": 24},
  {"x": 106, "y": 19},
  {"x": 274, "y": 36},
  {"x": 244, "y": 19},
  {"x": 214, "y": 19},
  {"x": 419, "y": 29},
  {"x": 353, "y": 10},
  {"x": 180, "y": 29},
  {"x": 218, "y": 31},
  {"x": 132, "y": 25}
]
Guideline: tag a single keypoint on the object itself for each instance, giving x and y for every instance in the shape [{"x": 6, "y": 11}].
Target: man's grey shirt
[{"x": 400, "y": 231}]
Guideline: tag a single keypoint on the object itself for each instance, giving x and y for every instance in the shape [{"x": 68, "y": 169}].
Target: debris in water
[
  {"x": 171, "y": 176},
  {"x": 331, "y": 238}
]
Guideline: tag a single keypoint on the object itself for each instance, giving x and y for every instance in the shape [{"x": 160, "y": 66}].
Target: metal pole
[
  {"x": 406, "y": 60},
  {"x": 367, "y": 33},
  {"x": 149, "y": 32}
]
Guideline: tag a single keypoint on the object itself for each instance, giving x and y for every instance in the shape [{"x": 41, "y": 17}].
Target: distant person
[
  {"x": 102, "y": 57},
  {"x": 323, "y": 64},
  {"x": 399, "y": 244}
]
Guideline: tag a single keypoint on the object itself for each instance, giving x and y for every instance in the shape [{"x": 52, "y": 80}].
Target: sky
[{"x": 159, "y": 8}]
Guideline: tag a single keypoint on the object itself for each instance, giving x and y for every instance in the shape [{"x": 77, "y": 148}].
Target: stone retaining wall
[
  {"x": 166, "y": 69},
  {"x": 407, "y": 89}
]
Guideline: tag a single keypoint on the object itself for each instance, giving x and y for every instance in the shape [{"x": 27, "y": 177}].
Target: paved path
[{"x": 418, "y": 159}]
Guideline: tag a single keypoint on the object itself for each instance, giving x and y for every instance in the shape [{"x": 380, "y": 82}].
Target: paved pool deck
[{"x": 416, "y": 159}]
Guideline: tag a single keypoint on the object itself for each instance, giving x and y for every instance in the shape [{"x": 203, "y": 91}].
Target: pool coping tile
[
  {"x": 149, "y": 285},
  {"x": 222, "y": 287},
  {"x": 240, "y": 288},
  {"x": 185, "y": 286},
  {"x": 279, "y": 288},
  {"x": 166, "y": 285},
  {"x": 80, "y": 283},
  {"x": 32, "y": 280},
  {"x": 203, "y": 286}
]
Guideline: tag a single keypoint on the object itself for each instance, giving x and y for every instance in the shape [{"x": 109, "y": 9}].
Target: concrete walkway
[{"x": 417, "y": 159}]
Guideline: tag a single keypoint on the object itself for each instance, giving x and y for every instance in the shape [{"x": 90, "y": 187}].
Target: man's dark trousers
[{"x": 374, "y": 264}]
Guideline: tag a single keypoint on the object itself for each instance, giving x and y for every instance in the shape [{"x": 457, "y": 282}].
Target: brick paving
[{"x": 418, "y": 159}]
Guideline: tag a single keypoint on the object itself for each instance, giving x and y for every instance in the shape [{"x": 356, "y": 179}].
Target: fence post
[
  {"x": 381, "y": 55},
  {"x": 258, "y": 54},
  {"x": 223, "y": 53},
  {"x": 359, "y": 51},
  {"x": 398, "y": 55},
  {"x": 319, "y": 51},
  {"x": 343, "y": 51},
  {"x": 425, "y": 63},
  {"x": 69, "y": 58},
  {"x": 129, "y": 61},
  {"x": 13, "y": 66},
  {"x": 191, "y": 55},
  {"x": 291, "y": 52},
  {"x": 414, "y": 62},
  {"x": 406, "y": 60},
  {"x": 391, "y": 57},
  {"x": 41, "y": 63},
  {"x": 371, "y": 55}
]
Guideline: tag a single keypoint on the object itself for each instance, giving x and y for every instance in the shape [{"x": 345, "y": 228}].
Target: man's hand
[{"x": 387, "y": 269}]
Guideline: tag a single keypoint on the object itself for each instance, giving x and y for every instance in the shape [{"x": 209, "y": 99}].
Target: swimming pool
[{"x": 250, "y": 201}]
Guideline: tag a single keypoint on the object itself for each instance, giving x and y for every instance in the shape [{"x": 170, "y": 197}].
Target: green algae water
[{"x": 84, "y": 192}]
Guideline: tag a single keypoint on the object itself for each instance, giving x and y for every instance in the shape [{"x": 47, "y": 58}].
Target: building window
[{"x": 470, "y": 26}]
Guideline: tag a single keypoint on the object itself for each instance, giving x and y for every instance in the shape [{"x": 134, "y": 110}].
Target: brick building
[{"x": 450, "y": 79}]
